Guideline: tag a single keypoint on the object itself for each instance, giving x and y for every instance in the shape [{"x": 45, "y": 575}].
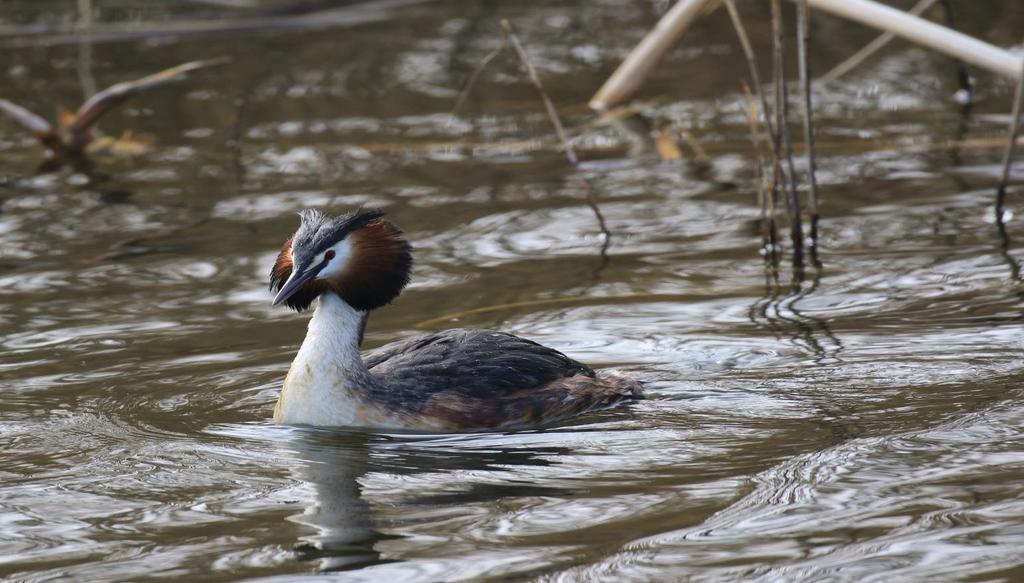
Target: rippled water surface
[{"x": 859, "y": 422}]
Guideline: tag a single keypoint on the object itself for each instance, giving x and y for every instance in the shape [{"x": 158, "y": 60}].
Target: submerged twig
[
  {"x": 803, "y": 41},
  {"x": 137, "y": 245},
  {"x": 782, "y": 123}
]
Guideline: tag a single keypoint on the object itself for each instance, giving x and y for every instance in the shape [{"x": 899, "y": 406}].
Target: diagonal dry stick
[
  {"x": 506, "y": 27},
  {"x": 570, "y": 152},
  {"x": 475, "y": 76},
  {"x": 510, "y": 38}
]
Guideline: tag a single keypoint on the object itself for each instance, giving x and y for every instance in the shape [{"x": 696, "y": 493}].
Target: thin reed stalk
[
  {"x": 770, "y": 197},
  {"x": 786, "y": 146},
  {"x": 1004, "y": 180},
  {"x": 963, "y": 77},
  {"x": 748, "y": 53},
  {"x": 803, "y": 42},
  {"x": 765, "y": 201}
]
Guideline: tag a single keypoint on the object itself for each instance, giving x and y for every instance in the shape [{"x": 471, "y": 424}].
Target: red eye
[{"x": 329, "y": 255}]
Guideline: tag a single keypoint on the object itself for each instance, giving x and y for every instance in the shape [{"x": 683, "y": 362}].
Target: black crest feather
[{"x": 380, "y": 262}]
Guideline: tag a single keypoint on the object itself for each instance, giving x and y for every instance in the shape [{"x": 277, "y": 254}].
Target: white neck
[{"x": 324, "y": 381}]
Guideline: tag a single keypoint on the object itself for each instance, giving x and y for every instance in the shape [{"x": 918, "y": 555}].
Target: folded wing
[{"x": 471, "y": 363}]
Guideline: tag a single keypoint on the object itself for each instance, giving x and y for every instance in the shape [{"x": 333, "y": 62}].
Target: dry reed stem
[
  {"x": 782, "y": 123},
  {"x": 803, "y": 41},
  {"x": 858, "y": 58},
  {"x": 748, "y": 53},
  {"x": 631, "y": 74},
  {"x": 773, "y": 189},
  {"x": 927, "y": 34},
  {"x": 963, "y": 76},
  {"x": 236, "y": 141},
  {"x": 1018, "y": 98},
  {"x": 764, "y": 200}
]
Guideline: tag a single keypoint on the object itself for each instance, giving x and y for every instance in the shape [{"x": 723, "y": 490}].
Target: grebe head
[{"x": 358, "y": 255}]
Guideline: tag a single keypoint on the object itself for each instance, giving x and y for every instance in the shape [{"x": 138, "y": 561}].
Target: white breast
[{"x": 321, "y": 386}]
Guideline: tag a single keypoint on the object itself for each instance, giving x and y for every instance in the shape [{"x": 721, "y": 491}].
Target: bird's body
[{"x": 454, "y": 380}]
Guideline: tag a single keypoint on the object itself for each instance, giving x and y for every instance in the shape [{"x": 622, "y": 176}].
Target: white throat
[{"x": 322, "y": 386}]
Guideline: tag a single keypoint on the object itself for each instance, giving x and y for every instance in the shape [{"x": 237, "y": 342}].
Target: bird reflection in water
[
  {"x": 332, "y": 462},
  {"x": 346, "y": 530}
]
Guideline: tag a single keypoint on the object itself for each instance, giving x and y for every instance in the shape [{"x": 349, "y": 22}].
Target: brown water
[{"x": 863, "y": 423}]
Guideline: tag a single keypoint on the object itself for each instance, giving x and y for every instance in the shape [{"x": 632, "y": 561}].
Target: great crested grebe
[{"x": 453, "y": 380}]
